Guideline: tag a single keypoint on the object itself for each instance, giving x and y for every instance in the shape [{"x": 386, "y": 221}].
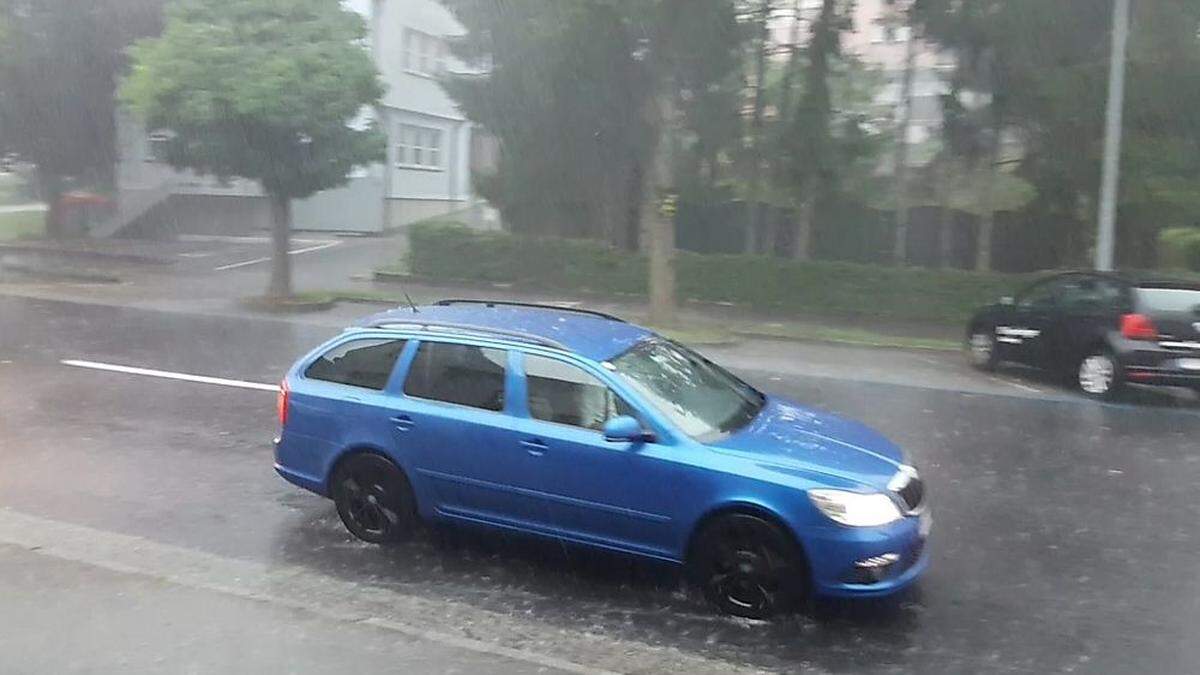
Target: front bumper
[{"x": 837, "y": 556}]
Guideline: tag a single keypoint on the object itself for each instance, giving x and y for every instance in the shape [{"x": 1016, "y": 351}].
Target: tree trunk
[
  {"x": 658, "y": 215},
  {"x": 945, "y": 217},
  {"x": 280, "y": 286},
  {"x": 983, "y": 244},
  {"x": 756, "y": 130},
  {"x": 900, "y": 254},
  {"x": 635, "y": 187},
  {"x": 945, "y": 238},
  {"x": 50, "y": 191},
  {"x": 802, "y": 238}
]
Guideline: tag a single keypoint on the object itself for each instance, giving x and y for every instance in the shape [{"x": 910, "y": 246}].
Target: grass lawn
[{"x": 22, "y": 225}]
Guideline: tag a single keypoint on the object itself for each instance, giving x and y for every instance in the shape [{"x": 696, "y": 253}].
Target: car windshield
[
  {"x": 695, "y": 394},
  {"x": 1169, "y": 299}
]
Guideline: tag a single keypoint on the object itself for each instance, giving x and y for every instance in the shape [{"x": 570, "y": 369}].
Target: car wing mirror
[{"x": 626, "y": 429}]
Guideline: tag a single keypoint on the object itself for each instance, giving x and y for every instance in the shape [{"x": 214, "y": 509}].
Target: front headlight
[{"x": 854, "y": 508}]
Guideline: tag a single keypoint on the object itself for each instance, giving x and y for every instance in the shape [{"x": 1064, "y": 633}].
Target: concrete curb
[
  {"x": 55, "y": 275},
  {"x": 265, "y": 306},
  {"x": 50, "y": 251}
]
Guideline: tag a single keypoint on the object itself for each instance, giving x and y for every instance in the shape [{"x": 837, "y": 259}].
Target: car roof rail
[
  {"x": 449, "y": 327},
  {"x": 535, "y": 305}
]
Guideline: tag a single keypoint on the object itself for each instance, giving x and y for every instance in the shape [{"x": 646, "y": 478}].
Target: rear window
[
  {"x": 358, "y": 363},
  {"x": 462, "y": 374},
  {"x": 1169, "y": 299}
]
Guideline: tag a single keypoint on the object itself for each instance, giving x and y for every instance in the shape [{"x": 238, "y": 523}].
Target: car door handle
[
  {"x": 403, "y": 422},
  {"x": 534, "y": 446}
]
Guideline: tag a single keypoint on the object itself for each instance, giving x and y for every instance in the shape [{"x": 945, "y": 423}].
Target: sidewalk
[{"x": 61, "y": 616}]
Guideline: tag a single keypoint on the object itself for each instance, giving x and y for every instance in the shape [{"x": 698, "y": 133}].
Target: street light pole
[{"x": 1112, "y": 137}]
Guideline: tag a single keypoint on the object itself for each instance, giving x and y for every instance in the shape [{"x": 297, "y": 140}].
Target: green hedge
[
  {"x": 1179, "y": 248},
  {"x": 451, "y": 251}
]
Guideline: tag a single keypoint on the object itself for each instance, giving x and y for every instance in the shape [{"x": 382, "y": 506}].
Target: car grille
[{"x": 911, "y": 490}]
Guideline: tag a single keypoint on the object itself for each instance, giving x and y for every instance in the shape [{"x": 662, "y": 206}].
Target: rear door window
[
  {"x": 461, "y": 374},
  {"x": 1090, "y": 294},
  {"x": 1040, "y": 296},
  {"x": 562, "y": 393},
  {"x": 358, "y": 363}
]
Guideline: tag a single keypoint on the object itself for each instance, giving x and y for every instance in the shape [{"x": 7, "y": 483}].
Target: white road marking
[
  {"x": 234, "y": 239},
  {"x": 168, "y": 375},
  {"x": 1018, "y": 385},
  {"x": 22, "y": 208},
  {"x": 447, "y": 622},
  {"x": 308, "y": 249}
]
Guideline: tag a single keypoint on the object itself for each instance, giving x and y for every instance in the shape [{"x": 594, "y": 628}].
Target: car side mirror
[
  {"x": 626, "y": 429},
  {"x": 1007, "y": 300}
]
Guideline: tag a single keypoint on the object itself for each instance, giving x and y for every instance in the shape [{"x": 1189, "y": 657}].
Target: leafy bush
[
  {"x": 1179, "y": 248},
  {"x": 451, "y": 251}
]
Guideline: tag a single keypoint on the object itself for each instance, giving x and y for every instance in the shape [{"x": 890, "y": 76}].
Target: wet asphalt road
[{"x": 1064, "y": 530}]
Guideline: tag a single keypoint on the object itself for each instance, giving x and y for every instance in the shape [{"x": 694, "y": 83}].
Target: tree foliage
[
  {"x": 1044, "y": 67},
  {"x": 567, "y": 94},
  {"x": 270, "y": 90},
  {"x": 261, "y": 89}
]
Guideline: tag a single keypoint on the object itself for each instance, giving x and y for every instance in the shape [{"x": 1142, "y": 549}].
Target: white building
[{"x": 429, "y": 155}]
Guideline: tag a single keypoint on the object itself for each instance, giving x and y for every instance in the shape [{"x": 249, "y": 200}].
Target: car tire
[
  {"x": 1100, "y": 375},
  {"x": 374, "y": 499},
  {"x": 980, "y": 347},
  {"x": 748, "y": 566}
]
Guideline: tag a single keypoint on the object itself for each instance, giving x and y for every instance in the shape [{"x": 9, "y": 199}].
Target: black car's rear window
[{"x": 1169, "y": 299}]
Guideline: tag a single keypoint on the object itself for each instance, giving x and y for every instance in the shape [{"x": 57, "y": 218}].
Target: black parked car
[{"x": 1099, "y": 330}]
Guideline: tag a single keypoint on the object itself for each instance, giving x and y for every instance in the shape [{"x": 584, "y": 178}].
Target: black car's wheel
[
  {"x": 748, "y": 566},
  {"x": 1100, "y": 374},
  {"x": 981, "y": 348},
  {"x": 374, "y": 499}
]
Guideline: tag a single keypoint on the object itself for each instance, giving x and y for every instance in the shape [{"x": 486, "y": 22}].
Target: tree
[
  {"x": 59, "y": 60},
  {"x": 264, "y": 90},
  {"x": 565, "y": 95},
  {"x": 810, "y": 163},
  {"x": 762, "y": 44},
  {"x": 1041, "y": 67},
  {"x": 901, "y": 168}
]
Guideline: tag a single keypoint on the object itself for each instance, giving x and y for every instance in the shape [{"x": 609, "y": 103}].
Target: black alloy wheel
[
  {"x": 749, "y": 567},
  {"x": 374, "y": 499}
]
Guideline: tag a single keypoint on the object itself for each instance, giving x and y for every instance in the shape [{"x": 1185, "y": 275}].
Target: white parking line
[
  {"x": 168, "y": 375},
  {"x": 309, "y": 249}
]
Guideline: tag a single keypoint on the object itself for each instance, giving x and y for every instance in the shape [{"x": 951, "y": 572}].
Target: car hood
[{"x": 794, "y": 436}]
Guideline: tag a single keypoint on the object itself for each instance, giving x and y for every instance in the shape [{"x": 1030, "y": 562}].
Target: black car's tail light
[{"x": 1138, "y": 327}]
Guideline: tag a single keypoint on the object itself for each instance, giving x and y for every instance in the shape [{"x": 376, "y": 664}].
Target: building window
[
  {"x": 419, "y": 147},
  {"x": 424, "y": 54},
  {"x": 156, "y": 146}
]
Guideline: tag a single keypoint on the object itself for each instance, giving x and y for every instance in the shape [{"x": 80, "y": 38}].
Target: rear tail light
[
  {"x": 1138, "y": 327},
  {"x": 281, "y": 403}
]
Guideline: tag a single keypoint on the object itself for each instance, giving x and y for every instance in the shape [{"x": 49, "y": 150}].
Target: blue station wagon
[{"x": 578, "y": 426}]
